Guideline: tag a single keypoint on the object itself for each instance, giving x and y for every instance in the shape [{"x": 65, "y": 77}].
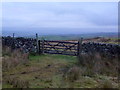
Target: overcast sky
[{"x": 91, "y": 16}]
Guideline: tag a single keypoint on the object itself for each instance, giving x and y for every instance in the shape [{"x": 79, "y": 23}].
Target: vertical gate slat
[
  {"x": 43, "y": 46},
  {"x": 39, "y": 47}
]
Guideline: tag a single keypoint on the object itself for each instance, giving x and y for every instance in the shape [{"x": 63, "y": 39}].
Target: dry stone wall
[
  {"x": 29, "y": 45},
  {"x": 25, "y": 44},
  {"x": 105, "y": 49}
]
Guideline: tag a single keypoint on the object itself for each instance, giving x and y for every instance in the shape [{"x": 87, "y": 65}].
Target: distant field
[
  {"x": 104, "y": 40},
  {"x": 98, "y": 40},
  {"x": 78, "y": 36},
  {"x": 93, "y": 37}
]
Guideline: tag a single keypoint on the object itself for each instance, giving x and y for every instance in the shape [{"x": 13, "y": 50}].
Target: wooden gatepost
[
  {"x": 13, "y": 41},
  {"x": 79, "y": 50},
  {"x": 37, "y": 43},
  {"x": 41, "y": 46}
]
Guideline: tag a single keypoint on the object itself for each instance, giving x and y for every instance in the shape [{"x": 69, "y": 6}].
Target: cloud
[{"x": 60, "y": 15}]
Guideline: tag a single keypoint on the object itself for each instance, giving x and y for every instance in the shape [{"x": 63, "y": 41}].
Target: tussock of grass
[
  {"x": 73, "y": 74},
  {"x": 106, "y": 84}
]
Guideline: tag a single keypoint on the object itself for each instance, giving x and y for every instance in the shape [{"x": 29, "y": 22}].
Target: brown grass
[
  {"x": 106, "y": 84},
  {"x": 91, "y": 65},
  {"x": 13, "y": 58},
  {"x": 16, "y": 82},
  {"x": 97, "y": 64},
  {"x": 73, "y": 73},
  {"x": 6, "y": 51}
]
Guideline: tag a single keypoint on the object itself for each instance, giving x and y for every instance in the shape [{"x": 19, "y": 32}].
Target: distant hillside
[
  {"x": 68, "y": 36},
  {"x": 77, "y": 36}
]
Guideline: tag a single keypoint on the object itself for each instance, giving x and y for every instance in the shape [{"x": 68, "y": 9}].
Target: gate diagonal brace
[
  {"x": 68, "y": 47},
  {"x": 52, "y": 46}
]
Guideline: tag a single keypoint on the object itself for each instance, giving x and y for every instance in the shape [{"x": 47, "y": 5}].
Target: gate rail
[{"x": 60, "y": 47}]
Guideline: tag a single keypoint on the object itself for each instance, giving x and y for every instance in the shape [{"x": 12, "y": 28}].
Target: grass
[
  {"x": 113, "y": 41},
  {"x": 41, "y": 69},
  {"x": 56, "y": 71}
]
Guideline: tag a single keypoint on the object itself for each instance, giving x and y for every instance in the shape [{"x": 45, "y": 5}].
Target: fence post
[
  {"x": 37, "y": 45},
  {"x": 13, "y": 43},
  {"x": 80, "y": 50}
]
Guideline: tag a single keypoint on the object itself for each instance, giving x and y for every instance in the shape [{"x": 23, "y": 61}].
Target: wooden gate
[{"x": 59, "y": 47}]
